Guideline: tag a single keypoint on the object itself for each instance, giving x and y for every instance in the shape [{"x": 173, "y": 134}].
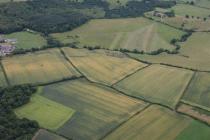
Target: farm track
[{"x": 4, "y": 72}]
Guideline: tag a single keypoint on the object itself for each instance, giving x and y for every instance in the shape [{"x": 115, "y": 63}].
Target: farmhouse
[
  {"x": 159, "y": 14},
  {"x": 6, "y": 49}
]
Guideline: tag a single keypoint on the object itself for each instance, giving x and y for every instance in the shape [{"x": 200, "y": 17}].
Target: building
[{"x": 6, "y": 49}]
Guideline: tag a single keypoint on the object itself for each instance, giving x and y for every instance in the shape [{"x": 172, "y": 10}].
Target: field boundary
[
  {"x": 5, "y": 74},
  {"x": 185, "y": 89},
  {"x": 122, "y": 123}
]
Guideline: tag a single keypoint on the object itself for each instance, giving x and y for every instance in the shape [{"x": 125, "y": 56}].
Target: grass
[
  {"x": 3, "y": 81},
  {"x": 102, "y": 66},
  {"x": 185, "y": 9},
  {"x": 99, "y": 109},
  {"x": 154, "y": 123},
  {"x": 47, "y": 113},
  {"x": 27, "y": 40},
  {"x": 46, "y": 135},
  {"x": 131, "y": 33},
  {"x": 195, "y": 131},
  {"x": 199, "y": 90},
  {"x": 37, "y": 68},
  {"x": 194, "y": 53},
  {"x": 158, "y": 84}
]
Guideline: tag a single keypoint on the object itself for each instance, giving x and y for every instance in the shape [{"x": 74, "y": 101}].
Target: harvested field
[
  {"x": 45, "y": 135},
  {"x": 40, "y": 67},
  {"x": 131, "y": 34},
  {"x": 102, "y": 66},
  {"x": 157, "y": 84},
  {"x": 154, "y": 123},
  {"x": 199, "y": 91},
  {"x": 47, "y": 113},
  {"x": 99, "y": 109}
]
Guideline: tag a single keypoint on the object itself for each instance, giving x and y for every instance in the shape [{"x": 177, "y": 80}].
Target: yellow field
[
  {"x": 39, "y": 67},
  {"x": 102, "y": 66},
  {"x": 158, "y": 84},
  {"x": 154, "y": 123}
]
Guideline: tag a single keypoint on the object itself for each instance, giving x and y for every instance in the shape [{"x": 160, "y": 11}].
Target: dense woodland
[
  {"x": 12, "y": 128},
  {"x": 61, "y": 15}
]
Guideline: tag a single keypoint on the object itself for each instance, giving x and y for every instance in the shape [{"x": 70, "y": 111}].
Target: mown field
[
  {"x": 40, "y": 67},
  {"x": 47, "y": 113},
  {"x": 157, "y": 84},
  {"x": 154, "y": 123},
  {"x": 132, "y": 34},
  {"x": 199, "y": 91},
  {"x": 102, "y": 66},
  {"x": 3, "y": 82},
  {"x": 194, "y": 53},
  {"x": 98, "y": 109},
  {"x": 27, "y": 40},
  {"x": 45, "y": 135}
]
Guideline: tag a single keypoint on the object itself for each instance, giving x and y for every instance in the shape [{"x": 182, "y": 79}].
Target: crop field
[
  {"x": 184, "y": 9},
  {"x": 132, "y": 34},
  {"x": 27, "y": 40},
  {"x": 154, "y": 123},
  {"x": 45, "y": 135},
  {"x": 193, "y": 54},
  {"x": 156, "y": 83},
  {"x": 98, "y": 109},
  {"x": 3, "y": 82},
  {"x": 40, "y": 67},
  {"x": 103, "y": 66},
  {"x": 47, "y": 113},
  {"x": 199, "y": 91}
]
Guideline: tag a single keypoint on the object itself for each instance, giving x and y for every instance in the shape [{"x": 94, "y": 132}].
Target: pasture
[
  {"x": 3, "y": 81},
  {"x": 157, "y": 84},
  {"x": 154, "y": 123},
  {"x": 132, "y": 34},
  {"x": 37, "y": 68},
  {"x": 46, "y": 135},
  {"x": 98, "y": 109},
  {"x": 47, "y": 113},
  {"x": 199, "y": 91},
  {"x": 27, "y": 40},
  {"x": 102, "y": 66},
  {"x": 193, "y": 54}
]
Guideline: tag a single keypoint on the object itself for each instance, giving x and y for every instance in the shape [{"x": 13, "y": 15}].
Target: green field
[
  {"x": 158, "y": 84},
  {"x": 98, "y": 109},
  {"x": 195, "y": 131},
  {"x": 154, "y": 123},
  {"x": 39, "y": 67},
  {"x": 194, "y": 53},
  {"x": 3, "y": 82},
  {"x": 27, "y": 40},
  {"x": 102, "y": 66},
  {"x": 184, "y": 9},
  {"x": 199, "y": 90},
  {"x": 46, "y": 135},
  {"x": 47, "y": 113},
  {"x": 132, "y": 34}
]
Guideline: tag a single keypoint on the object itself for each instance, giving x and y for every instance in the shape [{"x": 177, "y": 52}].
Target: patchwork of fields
[
  {"x": 132, "y": 34},
  {"x": 40, "y": 67}
]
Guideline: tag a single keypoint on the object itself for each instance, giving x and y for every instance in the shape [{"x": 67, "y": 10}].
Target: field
[
  {"x": 154, "y": 123},
  {"x": 102, "y": 66},
  {"x": 47, "y": 113},
  {"x": 3, "y": 1},
  {"x": 40, "y": 67},
  {"x": 45, "y": 135},
  {"x": 184, "y": 9},
  {"x": 193, "y": 54},
  {"x": 199, "y": 91},
  {"x": 132, "y": 34},
  {"x": 27, "y": 40},
  {"x": 98, "y": 109},
  {"x": 157, "y": 84},
  {"x": 3, "y": 82}
]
